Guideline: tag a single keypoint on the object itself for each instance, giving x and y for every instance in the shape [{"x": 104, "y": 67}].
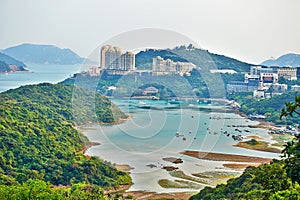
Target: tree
[{"x": 292, "y": 149}]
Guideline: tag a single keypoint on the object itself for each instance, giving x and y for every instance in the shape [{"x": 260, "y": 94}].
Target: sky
[{"x": 248, "y": 30}]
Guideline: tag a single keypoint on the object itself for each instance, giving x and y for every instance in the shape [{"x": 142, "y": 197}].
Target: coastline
[
  {"x": 22, "y": 71},
  {"x": 261, "y": 123},
  {"x": 268, "y": 145},
  {"x": 241, "y": 163},
  {"x": 120, "y": 121},
  {"x": 225, "y": 157},
  {"x": 259, "y": 145}
]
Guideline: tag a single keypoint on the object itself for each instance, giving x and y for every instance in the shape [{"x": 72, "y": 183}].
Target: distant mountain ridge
[
  {"x": 43, "y": 54},
  {"x": 9, "y": 64},
  {"x": 290, "y": 59}
]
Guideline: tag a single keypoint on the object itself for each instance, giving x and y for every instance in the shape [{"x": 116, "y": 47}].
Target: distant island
[
  {"x": 290, "y": 59},
  {"x": 10, "y": 64},
  {"x": 43, "y": 54}
]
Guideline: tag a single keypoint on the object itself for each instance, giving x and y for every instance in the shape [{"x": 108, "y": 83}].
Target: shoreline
[
  {"x": 245, "y": 161},
  {"x": 260, "y": 146},
  {"x": 261, "y": 123},
  {"x": 11, "y": 72},
  {"x": 120, "y": 121},
  {"x": 225, "y": 157},
  {"x": 144, "y": 195}
]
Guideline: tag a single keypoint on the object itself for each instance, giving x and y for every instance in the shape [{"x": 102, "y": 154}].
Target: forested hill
[
  {"x": 268, "y": 181},
  {"x": 38, "y": 139},
  {"x": 9, "y": 64},
  {"x": 199, "y": 57},
  {"x": 43, "y": 54},
  {"x": 143, "y": 59}
]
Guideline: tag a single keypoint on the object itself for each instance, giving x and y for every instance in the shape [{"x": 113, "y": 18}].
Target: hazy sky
[{"x": 252, "y": 30}]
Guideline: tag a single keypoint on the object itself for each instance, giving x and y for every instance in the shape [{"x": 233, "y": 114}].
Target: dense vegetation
[
  {"x": 143, "y": 60},
  {"x": 38, "y": 189},
  {"x": 38, "y": 139},
  {"x": 271, "y": 108},
  {"x": 199, "y": 57},
  {"x": 169, "y": 85},
  {"x": 268, "y": 181},
  {"x": 131, "y": 85},
  {"x": 207, "y": 60}
]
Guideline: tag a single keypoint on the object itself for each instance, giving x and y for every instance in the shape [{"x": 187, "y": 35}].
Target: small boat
[{"x": 142, "y": 103}]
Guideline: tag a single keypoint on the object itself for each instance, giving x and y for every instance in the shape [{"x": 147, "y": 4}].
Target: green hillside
[
  {"x": 38, "y": 139},
  {"x": 199, "y": 57},
  {"x": 9, "y": 64},
  {"x": 270, "y": 107},
  {"x": 268, "y": 181},
  {"x": 143, "y": 59},
  {"x": 4, "y": 67}
]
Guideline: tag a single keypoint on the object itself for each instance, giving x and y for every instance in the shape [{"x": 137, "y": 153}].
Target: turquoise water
[
  {"x": 39, "y": 73},
  {"x": 150, "y": 135}
]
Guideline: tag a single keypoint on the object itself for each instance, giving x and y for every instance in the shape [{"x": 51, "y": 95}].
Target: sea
[
  {"x": 156, "y": 130},
  {"x": 37, "y": 74}
]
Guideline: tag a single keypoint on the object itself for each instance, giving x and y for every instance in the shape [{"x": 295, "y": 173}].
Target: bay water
[
  {"x": 154, "y": 133},
  {"x": 38, "y": 73}
]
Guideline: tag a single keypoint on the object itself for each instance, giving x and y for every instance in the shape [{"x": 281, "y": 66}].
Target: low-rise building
[
  {"x": 239, "y": 86},
  {"x": 150, "y": 90},
  {"x": 268, "y": 78},
  {"x": 163, "y": 67},
  {"x": 288, "y": 73},
  {"x": 295, "y": 87},
  {"x": 259, "y": 93},
  {"x": 94, "y": 71},
  {"x": 279, "y": 88},
  {"x": 223, "y": 71}
]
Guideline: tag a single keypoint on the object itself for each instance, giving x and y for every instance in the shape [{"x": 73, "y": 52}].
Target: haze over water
[{"x": 38, "y": 74}]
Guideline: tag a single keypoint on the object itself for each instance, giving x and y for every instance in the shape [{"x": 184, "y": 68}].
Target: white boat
[{"x": 142, "y": 103}]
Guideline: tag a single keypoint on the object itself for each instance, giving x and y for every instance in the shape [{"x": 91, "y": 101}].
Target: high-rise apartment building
[
  {"x": 128, "y": 61},
  {"x": 111, "y": 58}
]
